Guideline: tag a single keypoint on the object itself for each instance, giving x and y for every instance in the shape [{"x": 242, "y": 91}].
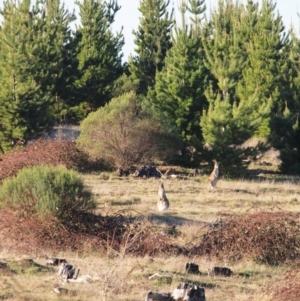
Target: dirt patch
[
  {"x": 269, "y": 157},
  {"x": 288, "y": 289}
]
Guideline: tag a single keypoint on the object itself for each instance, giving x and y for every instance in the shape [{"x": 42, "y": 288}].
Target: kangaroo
[
  {"x": 163, "y": 202},
  {"x": 213, "y": 177}
]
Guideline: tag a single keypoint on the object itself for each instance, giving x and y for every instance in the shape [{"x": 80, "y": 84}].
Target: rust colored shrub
[
  {"x": 268, "y": 237},
  {"x": 87, "y": 232},
  {"x": 47, "y": 152}
]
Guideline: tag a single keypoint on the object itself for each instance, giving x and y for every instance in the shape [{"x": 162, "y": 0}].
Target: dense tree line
[
  {"x": 47, "y": 71},
  {"x": 218, "y": 79}
]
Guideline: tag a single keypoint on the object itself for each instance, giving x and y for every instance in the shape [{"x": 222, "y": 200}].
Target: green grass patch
[{"x": 28, "y": 266}]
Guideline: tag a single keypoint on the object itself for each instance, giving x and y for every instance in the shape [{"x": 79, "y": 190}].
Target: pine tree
[
  {"x": 247, "y": 52},
  {"x": 24, "y": 111},
  {"x": 224, "y": 56},
  {"x": 266, "y": 64},
  {"x": 53, "y": 69},
  {"x": 179, "y": 87},
  {"x": 287, "y": 135},
  {"x": 295, "y": 71},
  {"x": 98, "y": 52},
  {"x": 153, "y": 40},
  {"x": 12, "y": 127},
  {"x": 225, "y": 124}
]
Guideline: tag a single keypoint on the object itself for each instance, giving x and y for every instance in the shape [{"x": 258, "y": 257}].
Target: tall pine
[
  {"x": 179, "y": 87},
  {"x": 224, "y": 124},
  {"x": 53, "y": 68},
  {"x": 152, "y": 40},
  {"x": 287, "y": 137},
  {"x": 24, "y": 109},
  {"x": 98, "y": 52},
  {"x": 266, "y": 67}
]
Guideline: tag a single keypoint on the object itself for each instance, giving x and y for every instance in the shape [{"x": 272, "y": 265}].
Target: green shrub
[
  {"x": 124, "y": 134},
  {"x": 46, "y": 191}
]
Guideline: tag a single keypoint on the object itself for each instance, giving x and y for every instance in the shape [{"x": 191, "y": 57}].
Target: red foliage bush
[
  {"x": 88, "y": 232},
  {"x": 268, "y": 237},
  {"x": 47, "y": 152}
]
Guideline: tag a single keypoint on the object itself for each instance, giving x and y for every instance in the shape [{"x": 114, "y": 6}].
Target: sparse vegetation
[
  {"x": 249, "y": 226},
  {"x": 146, "y": 245},
  {"x": 200, "y": 92}
]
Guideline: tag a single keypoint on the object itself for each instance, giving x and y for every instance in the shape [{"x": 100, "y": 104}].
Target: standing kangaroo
[
  {"x": 213, "y": 177},
  {"x": 163, "y": 202}
]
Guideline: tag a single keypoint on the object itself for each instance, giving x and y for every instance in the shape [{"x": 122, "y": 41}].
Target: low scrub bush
[
  {"x": 48, "y": 152},
  {"x": 266, "y": 237},
  {"x": 46, "y": 191}
]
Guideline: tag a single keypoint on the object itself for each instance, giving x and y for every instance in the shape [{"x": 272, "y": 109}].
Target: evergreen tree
[
  {"x": 295, "y": 73},
  {"x": 53, "y": 69},
  {"x": 287, "y": 127},
  {"x": 266, "y": 65},
  {"x": 224, "y": 56},
  {"x": 24, "y": 110},
  {"x": 153, "y": 40},
  {"x": 179, "y": 87},
  {"x": 225, "y": 124},
  {"x": 246, "y": 21},
  {"x": 98, "y": 52},
  {"x": 247, "y": 53},
  {"x": 250, "y": 112}
]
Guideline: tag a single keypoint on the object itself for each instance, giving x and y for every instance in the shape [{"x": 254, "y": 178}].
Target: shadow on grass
[
  {"x": 173, "y": 220},
  {"x": 24, "y": 266},
  {"x": 261, "y": 174},
  {"x": 208, "y": 285}
]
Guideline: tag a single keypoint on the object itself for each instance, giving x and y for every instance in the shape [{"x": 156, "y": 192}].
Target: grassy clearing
[
  {"x": 190, "y": 199},
  {"x": 192, "y": 206}
]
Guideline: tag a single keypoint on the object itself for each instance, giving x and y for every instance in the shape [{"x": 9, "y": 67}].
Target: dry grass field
[{"x": 117, "y": 276}]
